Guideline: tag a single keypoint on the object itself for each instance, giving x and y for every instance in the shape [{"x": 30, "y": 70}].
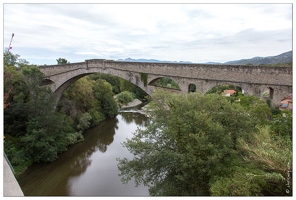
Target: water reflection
[
  {"x": 88, "y": 168},
  {"x": 135, "y": 117},
  {"x": 105, "y": 134}
]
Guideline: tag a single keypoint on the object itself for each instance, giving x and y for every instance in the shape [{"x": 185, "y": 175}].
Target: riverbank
[
  {"x": 134, "y": 103},
  {"x": 136, "y": 106}
]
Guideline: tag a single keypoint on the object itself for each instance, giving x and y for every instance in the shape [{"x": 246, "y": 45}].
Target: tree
[
  {"x": 17, "y": 94},
  {"x": 281, "y": 124},
  {"x": 62, "y": 61},
  {"x": 191, "y": 141},
  {"x": 125, "y": 97},
  {"x": 273, "y": 156},
  {"x": 46, "y": 133},
  {"x": 104, "y": 96},
  {"x": 113, "y": 80},
  {"x": 10, "y": 59}
]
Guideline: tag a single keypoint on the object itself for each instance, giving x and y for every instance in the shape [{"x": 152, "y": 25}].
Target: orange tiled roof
[
  {"x": 229, "y": 91},
  {"x": 286, "y": 101}
]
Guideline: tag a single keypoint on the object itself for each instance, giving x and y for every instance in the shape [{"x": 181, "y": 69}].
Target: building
[
  {"x": 228, "y": 93},
  {"x": 287, "y": 103}
]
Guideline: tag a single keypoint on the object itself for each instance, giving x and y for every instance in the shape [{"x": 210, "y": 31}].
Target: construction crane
[{"x": 10, "y": 47}]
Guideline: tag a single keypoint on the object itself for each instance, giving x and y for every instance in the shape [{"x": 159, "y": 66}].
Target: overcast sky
[{"x": 173, "y": 32}]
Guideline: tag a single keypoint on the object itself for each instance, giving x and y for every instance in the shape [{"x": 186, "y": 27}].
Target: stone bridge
[{"x": 254, "y": 80}]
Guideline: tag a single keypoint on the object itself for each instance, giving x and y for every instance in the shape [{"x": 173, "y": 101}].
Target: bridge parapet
[
  {"x": 50, "y": 70},
  {"x": 232, "y": 73}
]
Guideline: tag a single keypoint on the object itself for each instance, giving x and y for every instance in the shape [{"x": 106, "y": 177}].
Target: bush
[{"x": 125, "y": 97}]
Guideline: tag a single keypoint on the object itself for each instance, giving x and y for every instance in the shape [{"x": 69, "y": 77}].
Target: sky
[{"x": 194, "y": 32}]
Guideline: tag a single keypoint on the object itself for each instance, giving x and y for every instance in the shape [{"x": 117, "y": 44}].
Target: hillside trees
[
  {"x": 46, "y": 131},
  {"x": 205, "y": 145},
  {"x": 34, "y": 130}
]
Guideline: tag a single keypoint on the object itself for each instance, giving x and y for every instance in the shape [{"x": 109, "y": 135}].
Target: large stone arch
[{"x": 59, "y": 83}]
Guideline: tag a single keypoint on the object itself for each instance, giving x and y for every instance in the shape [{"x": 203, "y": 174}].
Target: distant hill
[
  {"x": 282, "y": 58},
  {"x": 279, "y": 59},
  {"x": 150, "y": 60}
]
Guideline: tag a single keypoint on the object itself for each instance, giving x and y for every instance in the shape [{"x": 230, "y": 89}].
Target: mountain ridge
[{"x": 282, "y": 58}]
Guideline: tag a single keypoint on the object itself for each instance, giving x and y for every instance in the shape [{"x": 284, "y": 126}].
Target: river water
[{"x": 89, "y": 168}]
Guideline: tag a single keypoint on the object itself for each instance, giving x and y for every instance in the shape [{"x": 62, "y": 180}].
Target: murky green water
[{"x": 88, "y": 168}]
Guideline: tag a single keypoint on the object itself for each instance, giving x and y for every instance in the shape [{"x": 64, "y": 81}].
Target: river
[{"x": 88, "y": 168}]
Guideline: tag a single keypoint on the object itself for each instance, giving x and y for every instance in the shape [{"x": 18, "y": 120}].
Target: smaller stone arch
[
  {"x": 268, "y": 93},
  {"x": 220, "y": 88},
  {"x": 169, "y": 82},
  {"x": 191, "y": 88}
]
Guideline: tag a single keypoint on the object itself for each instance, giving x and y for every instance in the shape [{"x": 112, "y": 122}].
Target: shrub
[{"x": 125, "y": 97}]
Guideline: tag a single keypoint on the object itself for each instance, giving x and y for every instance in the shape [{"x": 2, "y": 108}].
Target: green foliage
[
  {"x": 75, "y": 137},
  {"x": 272, "y": 154},
  {"x": 282, "y": 124},
  {"x": 144, "y": 78},
  {"x": 238, "y": 184},
  {"x": 125, "y": 97},
  {"x": 191, "y": 140},
  {"x": 90, "y": 95},
  {"x": 167, "y": 82},
  {"x": 96, "y": 116},
  {"x": 126, "y": 85},
  {"x": 208, "y": 145},
  {"x": 220, "y": 89},
  {"x": 81, "y": 94},
  {"x": 16, "y": 113},
  {"x": 16, "y": 154},
  {"x": 62, "y": 61},
  {"x": 34, "y": 130},
  {"x": 104, "y": 96},
  {"x": 113, "y": 80},
  {"x": 84, "y": 121},
  {"x": 120, "y": 85},
  {"x": 259, "y": 109},
  {"x": 10, "y": 59}
]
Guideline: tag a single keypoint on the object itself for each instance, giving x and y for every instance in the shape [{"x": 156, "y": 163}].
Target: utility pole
[{"x": 10, "y": 47}]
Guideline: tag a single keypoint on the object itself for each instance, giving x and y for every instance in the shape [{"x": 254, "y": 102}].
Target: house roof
[{"x": 229, "y": 92}]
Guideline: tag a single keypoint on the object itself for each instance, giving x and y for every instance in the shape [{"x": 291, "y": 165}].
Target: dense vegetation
[
  {"x": 36, "y": 131},
  {"x": 209, "y": 145}
]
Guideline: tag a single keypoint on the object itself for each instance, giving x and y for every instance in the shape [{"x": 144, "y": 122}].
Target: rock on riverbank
[{"x": 134, "y": 103}]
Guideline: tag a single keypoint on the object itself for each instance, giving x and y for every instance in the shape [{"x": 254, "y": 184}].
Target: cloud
[{"x": 194, "y": 32}]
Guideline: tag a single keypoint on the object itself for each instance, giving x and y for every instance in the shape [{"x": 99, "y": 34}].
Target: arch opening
[
  {"x": 191, "y": 88},
  {"x": 165, "y": 82},
  {"x": 110, "y": 78},
  {"x": 268, "y": 93},
  {"x": 226, "y": 90}
]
